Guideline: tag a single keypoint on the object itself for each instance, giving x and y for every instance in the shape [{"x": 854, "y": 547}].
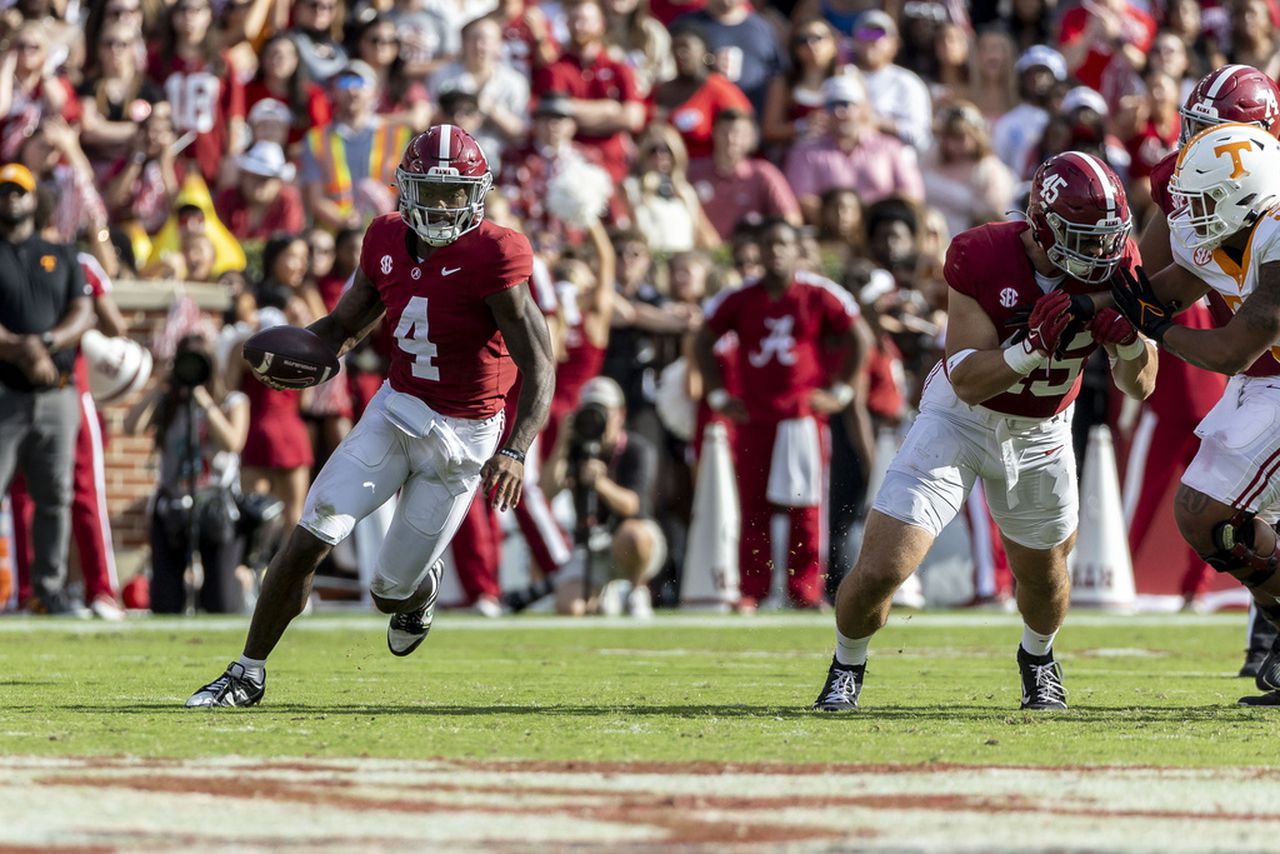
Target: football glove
[
  {"x": 1111, "y": 327},
  {"x": 1049, "y": 319},
  {"x": 1138, "y": 302}
]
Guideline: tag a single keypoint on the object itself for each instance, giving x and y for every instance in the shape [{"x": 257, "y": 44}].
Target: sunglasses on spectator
[
  {"x": 121, "y": 11},
  {"x": 383, "y": 41},
  {"x": 657, "y": 149},
  {"x": 190, "y": 9},
  {"x": 113, "y": 44},
  {"x": 28, "y": 47},
  {"x": 832, "y": 106},
  {"x": 350, "y": 81},
  {"x": 320, "y": 5},
  {"x": 808, "y": 38},
  {"x": 870, "y": 34}
]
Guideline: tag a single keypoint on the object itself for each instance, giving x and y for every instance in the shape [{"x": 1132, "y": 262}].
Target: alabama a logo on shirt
[{"x": 780, "y": 343}]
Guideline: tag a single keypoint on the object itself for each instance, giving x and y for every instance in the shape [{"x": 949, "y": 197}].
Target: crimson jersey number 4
[{"x": 411, "y": 336}]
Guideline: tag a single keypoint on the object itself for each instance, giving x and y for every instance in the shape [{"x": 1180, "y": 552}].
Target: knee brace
[{"x": 1233, "y": 541}]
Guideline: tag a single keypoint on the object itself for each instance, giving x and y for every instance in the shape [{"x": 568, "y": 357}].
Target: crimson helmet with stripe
[
  {"x": 1079, "y": 215},
  {"x": 1232, "y": 93},
  {"x": 442, "y": 180}
]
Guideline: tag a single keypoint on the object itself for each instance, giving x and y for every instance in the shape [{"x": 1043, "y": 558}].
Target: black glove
[
  {"x": 1081, "y": 312},
  {"x": 1138, "y": 303}
]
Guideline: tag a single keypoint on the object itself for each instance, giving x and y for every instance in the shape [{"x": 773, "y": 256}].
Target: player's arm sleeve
[
  {"x": 839, "y": 311},
  {"x": 955, "y": 267}
]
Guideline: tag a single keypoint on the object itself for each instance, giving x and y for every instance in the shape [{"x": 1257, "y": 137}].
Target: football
[{"x": 290, "y": 356}]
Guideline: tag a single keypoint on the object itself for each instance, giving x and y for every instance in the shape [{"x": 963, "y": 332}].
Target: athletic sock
[
  {"x": 1035, "y": 643},
  {"x": 851, "y": 652},
  {"x": 254, "y": 668}
]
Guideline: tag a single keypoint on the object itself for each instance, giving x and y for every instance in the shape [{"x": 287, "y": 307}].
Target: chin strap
[{"x": 1235, "y": 552}]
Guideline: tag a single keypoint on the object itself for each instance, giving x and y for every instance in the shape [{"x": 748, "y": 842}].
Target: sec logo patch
[
  {"x": 1008, "y": 298},
  {"x": 415, "y": 273},
  {"x": 385, "y": 266},
  {"x": 1202, "y": 256}
]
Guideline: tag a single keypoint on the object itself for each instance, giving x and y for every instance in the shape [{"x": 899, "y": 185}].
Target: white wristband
[
  {"x": 842, "y": 392},
  {"x": 1023, "y": 358},
  {"x": 1132, "y": 350},
  {"x": 717, "y": 399}
]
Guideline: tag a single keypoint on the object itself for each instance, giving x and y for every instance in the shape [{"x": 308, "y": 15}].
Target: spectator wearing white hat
[
  {"x": 1016, "y": 133},
  {"x": 263, "y": 200},
  {"x": 900, "y": 98},
  {"x": 854, "y": 154},
  {"x": 271, "y": 121}
]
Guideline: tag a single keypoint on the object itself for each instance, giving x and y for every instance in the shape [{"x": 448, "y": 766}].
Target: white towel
[{"x": 795, "y": 473}]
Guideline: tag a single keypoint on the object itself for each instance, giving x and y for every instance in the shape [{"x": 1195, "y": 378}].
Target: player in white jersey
[{"x": 1225, "y": 236}]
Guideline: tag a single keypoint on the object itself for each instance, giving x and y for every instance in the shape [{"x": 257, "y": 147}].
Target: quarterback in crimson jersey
[
  {"x": 1021, "y": 324},
  {"x": 454, "y": 290}
]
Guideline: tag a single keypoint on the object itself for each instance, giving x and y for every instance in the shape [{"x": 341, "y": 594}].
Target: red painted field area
[{"x": 339, "y": 805}]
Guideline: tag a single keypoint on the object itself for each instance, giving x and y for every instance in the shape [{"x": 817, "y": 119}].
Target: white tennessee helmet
[{"x": 1225, "y": 178}]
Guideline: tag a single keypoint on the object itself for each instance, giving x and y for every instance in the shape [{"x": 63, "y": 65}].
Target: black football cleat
[
  {"x": 1042, "y": 687},
  {"x": 840, "y": 693},
  {"x": 233, "y": 688},
  {"x": 1253, "y": 659},
  {"x": 1271, "y": 698},
  {"x": 1267, "y": 678},
  {"x": 407, "y": 631}
]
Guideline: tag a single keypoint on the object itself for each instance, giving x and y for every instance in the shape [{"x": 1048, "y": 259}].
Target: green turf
[{"x": 733, "y": 691}]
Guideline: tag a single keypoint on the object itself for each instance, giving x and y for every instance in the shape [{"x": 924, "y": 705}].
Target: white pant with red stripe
[{"x": 1239, "y": 458}]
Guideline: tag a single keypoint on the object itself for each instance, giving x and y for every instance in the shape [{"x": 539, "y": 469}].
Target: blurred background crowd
[{"x": 246, "y": 143}]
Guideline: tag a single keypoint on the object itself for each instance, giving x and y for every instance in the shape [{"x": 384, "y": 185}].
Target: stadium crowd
[{"x": 645, "y": 147}]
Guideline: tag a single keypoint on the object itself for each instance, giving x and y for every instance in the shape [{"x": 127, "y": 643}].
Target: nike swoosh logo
[{"x": 445, "y": 271}]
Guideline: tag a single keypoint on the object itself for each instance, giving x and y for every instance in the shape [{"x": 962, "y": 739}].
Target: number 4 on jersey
[{"x": 411, "y": 335}]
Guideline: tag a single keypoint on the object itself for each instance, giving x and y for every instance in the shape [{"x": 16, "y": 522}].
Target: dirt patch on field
[{"x": 120, "y": 804}]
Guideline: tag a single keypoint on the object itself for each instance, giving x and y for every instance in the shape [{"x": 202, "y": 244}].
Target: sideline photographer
[
  {"x": 612, "y": 474},
  {"x": 199, "y": 431}
]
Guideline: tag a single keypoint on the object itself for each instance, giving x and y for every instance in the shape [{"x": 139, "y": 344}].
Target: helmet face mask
[
  {"x": 441, "y": 183},
  {"x": 1089, "y": 253}
]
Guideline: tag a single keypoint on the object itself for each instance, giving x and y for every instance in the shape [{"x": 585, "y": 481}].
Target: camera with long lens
[
  {"x": 586, "y": 433},
  {"x": 191, "y": 368}
]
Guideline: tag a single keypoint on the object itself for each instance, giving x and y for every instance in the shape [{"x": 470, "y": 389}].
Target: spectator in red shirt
[
  {"x": 264, "y": 200},
  {"x": 603, "y": 91},
  {"x": 1154, "y": 136},
  {"x": 691, "y": 100},
  {"x": 793, "y": 107},
  {"x": 732, "y": 184},
  {"x": 527, "y": 42},
  {"x": 27, "y": 92},
  {"x": 207, "y": 98},
  {"x": 1097, "y": 34},
  {"x": 281, "y": 77}
]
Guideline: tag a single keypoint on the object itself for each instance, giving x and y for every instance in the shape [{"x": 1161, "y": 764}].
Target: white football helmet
[{"x": 1225, "y": 178}]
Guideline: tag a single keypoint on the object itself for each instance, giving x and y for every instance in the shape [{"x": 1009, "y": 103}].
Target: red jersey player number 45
[{"x": 454, "y": 288}]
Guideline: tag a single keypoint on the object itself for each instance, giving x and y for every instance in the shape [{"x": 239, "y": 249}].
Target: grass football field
[{"x": 688, "y": 733}]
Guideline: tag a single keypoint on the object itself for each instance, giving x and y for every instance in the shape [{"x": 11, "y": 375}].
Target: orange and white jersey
[{"x": 1234, "y": 282}]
